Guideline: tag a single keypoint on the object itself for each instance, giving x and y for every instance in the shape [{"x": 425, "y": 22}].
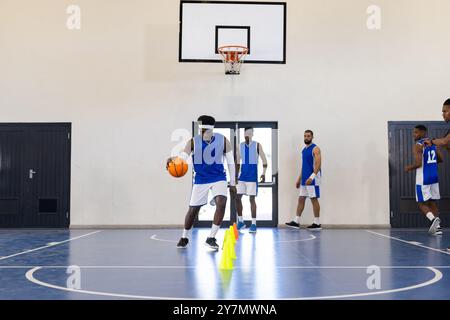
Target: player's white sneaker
[{"x": 434, "y": 225}]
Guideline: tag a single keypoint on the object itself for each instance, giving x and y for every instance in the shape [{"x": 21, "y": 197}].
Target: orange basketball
[{"x": 177, "y": 167}]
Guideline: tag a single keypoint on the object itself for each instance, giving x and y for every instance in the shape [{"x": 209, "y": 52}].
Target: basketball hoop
[{"x": 232, "y": 57}]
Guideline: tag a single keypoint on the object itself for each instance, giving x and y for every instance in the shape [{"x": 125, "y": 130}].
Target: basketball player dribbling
[{"x": 208, "y": 149}]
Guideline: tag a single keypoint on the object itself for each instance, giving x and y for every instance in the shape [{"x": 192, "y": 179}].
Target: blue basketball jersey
[
  {"x": 208, "y": 159},
  {"x": 308, "y": 165},
  {"x": 249, "y": 162},
  {"x": 428, "y": 173}
]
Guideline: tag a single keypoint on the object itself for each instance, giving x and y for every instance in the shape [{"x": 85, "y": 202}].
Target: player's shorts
[
  {"x": 427, "y": 192},
  {"x": 247, "y": 188},
  {"x": 310, "y": 191},
  {"x": 199, "y": 195}
]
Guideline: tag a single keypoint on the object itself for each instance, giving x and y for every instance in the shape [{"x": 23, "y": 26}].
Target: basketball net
[{"x": 233, "y": 57}]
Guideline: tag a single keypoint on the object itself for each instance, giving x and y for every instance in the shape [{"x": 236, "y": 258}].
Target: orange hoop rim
[{"x": 234, "y": 53}]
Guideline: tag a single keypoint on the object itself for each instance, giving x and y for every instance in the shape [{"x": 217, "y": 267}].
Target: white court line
[
  {"x": 409, "y": 242},
  {"x": 30, "y": 276},
  {"x": 52, "y": 243},
  {"x": 155, "y": 237},
  {"x": 299, "y": 240},
  {"x": 48, "y": 245},
  {"x": 214, "y": 267},
  {"x": 437, "y": 276},
  {"x": 424, "y": 230}
]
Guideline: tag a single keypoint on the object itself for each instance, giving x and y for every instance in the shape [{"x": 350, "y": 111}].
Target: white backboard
[{"x": 207, "y": 25}]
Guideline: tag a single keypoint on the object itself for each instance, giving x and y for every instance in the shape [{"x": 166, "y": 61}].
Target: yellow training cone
[
  {"x": 231, "y": 235},
  {"x": 226, "y": 262},
  {"x": 232, "y": 251},
  {"x": 225, "y": 239}
]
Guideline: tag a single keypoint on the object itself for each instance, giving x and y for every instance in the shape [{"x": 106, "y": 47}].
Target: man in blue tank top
[
  {"x": 209, "y": 150},
  {"x": 309, "y": 182},
  {"x": 426, "y": 161},
  {"x": 248, "y": 154},
  {"x": 444, "y": 141}
]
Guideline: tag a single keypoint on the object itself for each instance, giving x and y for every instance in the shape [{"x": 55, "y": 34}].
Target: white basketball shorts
[
  {"x": 199, "y": 195},
  {"x": 310, "y": 191},
  {"x": 427, "y": 192},
  {"x": 247, "y": 188}
]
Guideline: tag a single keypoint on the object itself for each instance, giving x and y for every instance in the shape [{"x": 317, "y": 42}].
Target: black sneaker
[
  {"x": 438, "y": 231},
  {"x": 315, "y": 227},
  {"x": 211, "y": 243},
  {"x": 293, "y": 224},
  {"x": 182, "y": 244},
  {"x": 434, "y": 225}
]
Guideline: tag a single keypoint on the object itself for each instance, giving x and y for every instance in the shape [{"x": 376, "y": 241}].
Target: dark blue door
[
  {"x": 403, "y": 206},
  {"x": 34, "y": 175}
]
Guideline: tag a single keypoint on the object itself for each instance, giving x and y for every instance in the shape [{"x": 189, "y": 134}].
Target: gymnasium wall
[{"x": 119, "y": 82}]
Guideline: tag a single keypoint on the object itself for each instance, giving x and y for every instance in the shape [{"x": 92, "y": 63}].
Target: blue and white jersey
[
  {"x": 208, "y": 159},
  {"x": 428, "y": 173},
  {"x": 308, "y": 166},
  {"x": 249, "y": 162}
]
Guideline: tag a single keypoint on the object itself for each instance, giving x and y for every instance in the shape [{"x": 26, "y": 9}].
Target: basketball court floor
[{"x": 272, "y": 264}]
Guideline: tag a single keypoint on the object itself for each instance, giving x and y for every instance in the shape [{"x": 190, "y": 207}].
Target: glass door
[{"x": 267, "y": 200}]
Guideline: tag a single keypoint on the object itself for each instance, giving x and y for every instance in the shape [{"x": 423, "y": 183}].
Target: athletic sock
[
  {"x": 185, "y": 233},
  {"x": 241, "y": 218},
  {"x": 316, "y": 221},
  {"x": 297, "y": 219},
  {"x": 430, "y": 216},
  {"x": 254, "y": 221},
  {"x": 214, "y": 230}
]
